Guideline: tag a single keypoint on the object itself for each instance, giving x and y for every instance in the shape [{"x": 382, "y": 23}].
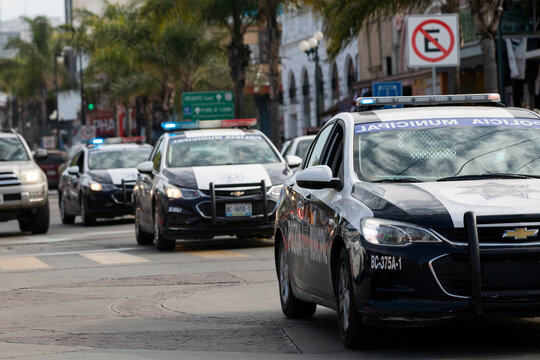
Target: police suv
[
  {"x": 414, "y": 214},
  {"x": 99, "y": 181},
  {"x": 207, "y": 182}
]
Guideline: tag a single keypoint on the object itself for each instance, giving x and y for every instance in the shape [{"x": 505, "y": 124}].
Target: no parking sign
[{"x": 433, "y": 40}]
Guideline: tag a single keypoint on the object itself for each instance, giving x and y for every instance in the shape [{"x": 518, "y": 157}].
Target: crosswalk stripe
[
  {"x": 109, "y": 258},
  {"x": 212, "y": 254},
  {"x": 22, "y": 263}
]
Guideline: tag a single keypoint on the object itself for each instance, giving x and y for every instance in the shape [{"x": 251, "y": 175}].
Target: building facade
[{"x": 336, "y": 77}]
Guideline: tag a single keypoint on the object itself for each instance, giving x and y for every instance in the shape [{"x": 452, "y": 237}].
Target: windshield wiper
[
  {"x": 488, "y": 176},
  {"x": 398, "y": 180}
]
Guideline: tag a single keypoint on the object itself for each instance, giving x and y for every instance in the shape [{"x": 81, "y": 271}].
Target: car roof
[
  {"x": 118, "y": 146},
  {"x": 442, "y": 112}
]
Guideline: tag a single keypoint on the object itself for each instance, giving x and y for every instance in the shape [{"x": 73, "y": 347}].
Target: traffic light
[{"x": 91, "y": 106}]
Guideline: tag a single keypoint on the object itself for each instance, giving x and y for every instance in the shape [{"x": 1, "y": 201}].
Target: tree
[
  {"x": 35, "y": 59},
  {"x": 344, "y": 19}
]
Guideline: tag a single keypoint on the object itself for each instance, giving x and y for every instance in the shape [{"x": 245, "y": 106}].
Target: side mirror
[
  {"x": 41, "y": 154},
  {"x": 317, "y": 177},
  {"x": 293, "y": 161},
  {"x": 73, "y": 170},
  {"x": 145, "y": 167}
]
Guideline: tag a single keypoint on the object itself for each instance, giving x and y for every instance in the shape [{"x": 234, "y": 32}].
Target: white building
[{"x": 298, "y": 74}]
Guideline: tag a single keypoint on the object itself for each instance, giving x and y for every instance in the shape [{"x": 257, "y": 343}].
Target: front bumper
[
  {"x": 206, "y": 217},
  {"x": 436, "y": 281},
  {"x": 110, "y": 203},
  {"x": 19, "y": 199}
]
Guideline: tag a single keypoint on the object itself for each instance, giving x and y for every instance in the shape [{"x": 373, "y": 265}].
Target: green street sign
[{"x": 212, "y": 105}]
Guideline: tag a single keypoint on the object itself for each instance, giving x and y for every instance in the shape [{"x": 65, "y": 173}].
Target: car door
[
  {"x": 323, "y": 219},
  {"x": 298, "y": 231},
  {"x": 72, "y": 185},
  {"x": 147, "y": 186}
]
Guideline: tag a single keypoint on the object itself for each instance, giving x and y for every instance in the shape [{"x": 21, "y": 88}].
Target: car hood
[
  {"x": 113, "y": 176},
  {"x": 200, "y": 177},
  {"x": 17, "y": 166},
  {"x": 443, "y": 204}
]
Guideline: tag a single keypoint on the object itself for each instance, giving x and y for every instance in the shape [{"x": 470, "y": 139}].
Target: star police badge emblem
[
  {"x": 495, "y": 190},
  {"x": 520, "y": 233}
]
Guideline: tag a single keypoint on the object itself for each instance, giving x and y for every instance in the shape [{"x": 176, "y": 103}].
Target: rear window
[{"x": 53, "y": 159}]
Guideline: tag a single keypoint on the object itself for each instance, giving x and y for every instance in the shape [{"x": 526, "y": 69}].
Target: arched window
[
  {"x": 305, "y": 97},
  {"x": 292, "y": 89},
  {"x": 335, "y": 83},
  {"x": 351, "y": 74},
  {"x": 321, "y": 89}
]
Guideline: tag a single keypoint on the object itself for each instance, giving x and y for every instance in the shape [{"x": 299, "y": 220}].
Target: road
[{"x": 92, "y": 293}]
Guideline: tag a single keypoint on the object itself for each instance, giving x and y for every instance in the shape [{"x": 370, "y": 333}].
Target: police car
[
  {"x": 99, "y": 181},
  {"x": 201, "y": 183},
  {"x": 414, "y": 214}
]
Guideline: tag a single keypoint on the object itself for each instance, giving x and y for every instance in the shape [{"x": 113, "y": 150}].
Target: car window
[
  {"x": 80, "y": 162},
  {"x": 333, "y": 154},
  {"x": 318, "y": 147},
  {"x": 100, "y": 159},
  {"x": 11, "y": 149},
  {"x": 154, "y": 150},
  {"x": 220, "y": 150},
  {"x": 287, "y": 148},
  {"x": 75, "y": 159},
  {"x": 156, "y": 159},
  {"x": 52, "y": 159}
]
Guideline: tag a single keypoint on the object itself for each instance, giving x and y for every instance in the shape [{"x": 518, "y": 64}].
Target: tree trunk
[
  {"x": 147, "y": 108},
  {"x": 273, "y": 40},
  {"x": 43, "y": 116},
  {"x": 490, "y": 64}
]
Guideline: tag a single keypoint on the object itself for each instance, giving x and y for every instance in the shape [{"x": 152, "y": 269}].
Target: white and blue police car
[
  {"x": 414, "y": 214},
  {"x": 208, "y": 179}
]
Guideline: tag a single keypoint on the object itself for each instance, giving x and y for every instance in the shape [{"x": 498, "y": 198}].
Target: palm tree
[
  {"x": 344, "y": 19},
  {"x": 36, "y": 60}
]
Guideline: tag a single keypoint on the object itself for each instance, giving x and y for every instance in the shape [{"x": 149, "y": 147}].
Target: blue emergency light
[
  {"x": 98, "y": 141},
  {"x": 429, "y": 99}
]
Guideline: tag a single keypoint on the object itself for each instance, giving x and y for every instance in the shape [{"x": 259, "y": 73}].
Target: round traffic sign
[
  {"x": 88, "y": 132},
  {"x": 428, "y": 38}
]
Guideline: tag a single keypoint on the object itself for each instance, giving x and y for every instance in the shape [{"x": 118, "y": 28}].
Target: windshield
[
  {"x": 11, "y": 149},
  {"x": 303, "y": 147},
  {"x": 219, "y": 150},
  {"x": 100, "y": 159},
  {"x": 428, "y": 153}
]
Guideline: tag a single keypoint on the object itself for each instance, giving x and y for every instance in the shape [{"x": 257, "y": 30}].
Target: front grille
[
  {"x": 9, "y": 179},
  {"x": 499, "y": 273},
  {"x": 12, "y": 197},
  {"x": 488, "y": 235},
  {"x": 257, "y": 209},
  {"x": 246, "y": 192}
]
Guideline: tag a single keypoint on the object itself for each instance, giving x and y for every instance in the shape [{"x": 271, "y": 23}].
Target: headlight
[
  {"x": 385, "y": 232},
  {"x": 94, "y": 186},
  {"x": 30, "y": 176},
  {"x": 177, "y": 193},
  {"x": 275, "y": 190}
]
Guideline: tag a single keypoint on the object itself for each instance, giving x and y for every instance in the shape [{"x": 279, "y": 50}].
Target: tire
[
  {"x": 291, "y": 306},
  {"x": 143, "y": 238},
  {"x": 24, "y": 225},
  {"x": 40, "y": 220},
  {"x": 352, "y": 332},
  {"x": 66, "y": 219},
  {"x": 159, "y": 241},
  {"x": 87, "y": 220}
]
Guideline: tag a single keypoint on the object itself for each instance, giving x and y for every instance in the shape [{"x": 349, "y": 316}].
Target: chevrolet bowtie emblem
[
  {"x": 520, "y": 233},
  {"x": 240, "y": 193}
]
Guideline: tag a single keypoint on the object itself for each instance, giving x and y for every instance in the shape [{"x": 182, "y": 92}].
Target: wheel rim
[
  {"x": 283, "y": 275},
  {"x": 344, "y": 297}
]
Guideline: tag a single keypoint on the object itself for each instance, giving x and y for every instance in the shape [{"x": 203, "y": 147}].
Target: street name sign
[
  {"x": 212, "y": 105},
  {"x": 433, "y": 40}
]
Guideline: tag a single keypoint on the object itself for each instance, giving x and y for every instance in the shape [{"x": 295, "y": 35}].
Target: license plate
[
  {"x": 1, "y": 198},
  {"x": 238, "y": 209}
]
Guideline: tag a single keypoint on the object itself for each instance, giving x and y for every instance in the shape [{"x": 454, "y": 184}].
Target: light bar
[
  {"x": 97, "y": 141},
  {"x": 209, "y": 124},
  {"x": 428, "y": 99}
]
